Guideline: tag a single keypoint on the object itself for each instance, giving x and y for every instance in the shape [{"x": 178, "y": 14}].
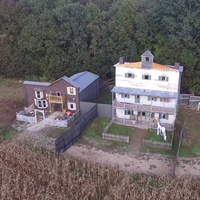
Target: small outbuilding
[{"x": 88, "y": 85}]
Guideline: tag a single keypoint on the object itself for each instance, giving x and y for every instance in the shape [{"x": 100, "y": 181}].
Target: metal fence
[{"x": 71, "y": 136}]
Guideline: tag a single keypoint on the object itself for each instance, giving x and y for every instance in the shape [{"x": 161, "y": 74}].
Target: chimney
[
  {"x": 121, "y": 60},
  {"x": 177, "y": 65}
]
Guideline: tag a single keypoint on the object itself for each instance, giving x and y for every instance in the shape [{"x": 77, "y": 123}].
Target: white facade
[
  {"x": 145, "y": 90},
  {"x": 153, "y": 84}
]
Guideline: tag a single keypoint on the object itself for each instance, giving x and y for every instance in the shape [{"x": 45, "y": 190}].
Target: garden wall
[
  {"x": 60, "y": 123},
  {"x": 21, "y": 117},
  {"x": 114, "y": 137},
  {"x": 163, "y": 145}
]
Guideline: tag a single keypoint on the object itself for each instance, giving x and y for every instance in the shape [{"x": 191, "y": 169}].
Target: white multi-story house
[{"x": 146, "y": 90}]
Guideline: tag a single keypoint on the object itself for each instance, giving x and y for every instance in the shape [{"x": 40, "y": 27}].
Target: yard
[
  {"x": 190, "y": 145},
  {"x": 12, "y": 99}
]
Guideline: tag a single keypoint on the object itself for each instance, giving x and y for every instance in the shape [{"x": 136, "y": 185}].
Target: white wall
[
  {"x": 120, "y": 114},
  {"x": 154, "y": 83}
]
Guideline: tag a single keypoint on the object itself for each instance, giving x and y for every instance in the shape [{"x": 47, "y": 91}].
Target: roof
[
  {"x": 84, "y": 79},
  {"x": 36, "y": 83},
  {"x": 147, "y": 53},
  {"x": 145, "y": 92},
  {"x": 65, "y": 78},
  {"x": 138, "y": 65},
  {"x": 156, "y": 66}
]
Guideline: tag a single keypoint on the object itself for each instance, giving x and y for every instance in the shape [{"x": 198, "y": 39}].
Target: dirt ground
[{"x": 132, "y": 161}]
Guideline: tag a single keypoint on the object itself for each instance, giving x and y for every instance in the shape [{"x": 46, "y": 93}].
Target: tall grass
[{"x": 28, "y": 172}]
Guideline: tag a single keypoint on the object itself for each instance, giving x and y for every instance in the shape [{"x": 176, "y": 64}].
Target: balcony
[
  {"x": 56, "y": 99},
  {"x": 143, "y": 107}
]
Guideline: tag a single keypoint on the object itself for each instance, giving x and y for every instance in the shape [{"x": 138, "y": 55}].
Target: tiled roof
[
  {"x": 84, "y": 79},
  {"x": 144, "y": 92},
  {"x": 138, "y": 65}
]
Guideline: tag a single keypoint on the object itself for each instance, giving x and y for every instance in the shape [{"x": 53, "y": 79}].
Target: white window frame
[
  {"x": 41, "y": 103},
  {"x": 39, "y": 94},
  {"x": 163, "y": 116},
  {"x": 71, "y": 90},
  {"x": 69, "y": 104},
  {"x": 128, "y": 112}
]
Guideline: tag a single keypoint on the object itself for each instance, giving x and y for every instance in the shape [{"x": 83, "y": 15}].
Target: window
[
  {"x": 71, "y": 106},
  {"x": 129, "y": 75},
  {"x": 152, "y": 98},
  {"x": 71, "y": 90},
  {"x": 164, "y": 99},
  {"x": 147, "y": 59},
  {"x": 126, "y": 96},
  {"x": 41, "y": 103},
  {"x": 128, "y": 112},
  {"x": 163, "y": 78},
  {"x": 58, "y": 93},
  {"x": 146, "y": 77},
  {"x": 39, "y": 94},
  {"x": 163, "y": 116}
]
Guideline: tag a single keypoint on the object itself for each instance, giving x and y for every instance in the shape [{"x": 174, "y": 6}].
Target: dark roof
[
  {"x": 145, "y": 92},
  {"x": 84, "y": 79},
  {"x": 65, "y": 78},
  {"x": 147, "y": 53}
]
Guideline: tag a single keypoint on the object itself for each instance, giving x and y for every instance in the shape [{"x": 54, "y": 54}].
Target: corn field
[{"x": 28, "y": 172}]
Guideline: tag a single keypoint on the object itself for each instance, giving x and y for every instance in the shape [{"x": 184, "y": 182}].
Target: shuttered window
[
  {"x": 163, "y": 78},
  {"x": 146, "y": 77},
  {"x": 129, "y": 75}
]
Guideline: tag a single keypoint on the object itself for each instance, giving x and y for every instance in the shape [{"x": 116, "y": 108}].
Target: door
[{"x": 137, "y": 98}]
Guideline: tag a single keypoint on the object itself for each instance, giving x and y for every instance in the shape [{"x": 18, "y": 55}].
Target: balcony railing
[
  {"x": 56, "y": 99},
  {"x": 143, "y": 107}
]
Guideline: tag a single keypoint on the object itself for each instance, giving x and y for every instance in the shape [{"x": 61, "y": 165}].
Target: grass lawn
[
  {"x": 96, "y": 127},
  {"x": 7, "y": 132},
  {"x": 121, "y": 130},
  {"x": 94, "y": 131},
  {"x": 152, "y": 135},
  {"x": 190, "y": 146},
  {"x": 105, "y": 97}
]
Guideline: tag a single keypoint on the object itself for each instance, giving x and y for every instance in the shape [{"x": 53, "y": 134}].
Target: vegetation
[
  {"x": 152, "y": 135},
  {"x": 190, "y": 145},
  {"x": 44, "y": 40},
  {"x": 121, "y": 130},
  {"x": 29, "y": 172}
]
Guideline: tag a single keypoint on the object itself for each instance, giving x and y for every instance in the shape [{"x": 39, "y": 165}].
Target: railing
[
  {"x": 143, "y": 107},
  {"x": 61, "y": 123},
  {"x": 56, "y": 99}
]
